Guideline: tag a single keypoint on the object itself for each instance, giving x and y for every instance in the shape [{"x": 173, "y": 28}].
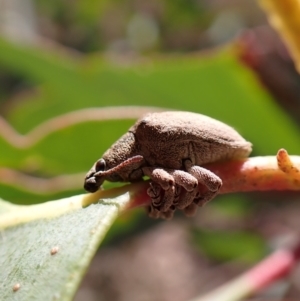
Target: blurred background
[{"x": 217, "y": 57}]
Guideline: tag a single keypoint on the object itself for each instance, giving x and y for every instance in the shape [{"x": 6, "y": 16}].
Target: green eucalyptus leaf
[{"x": 45, "y": 249}]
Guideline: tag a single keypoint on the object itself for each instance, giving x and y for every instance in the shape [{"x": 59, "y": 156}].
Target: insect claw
[
  {"x": 153, "y": 212},
  {"x": 190, "y": 210},
  {"x": 186, "y": 199},
  {"x": 167, "y": 215},
  {"x": 154, "y": 191},
  {"x": 178, "y": 191}
]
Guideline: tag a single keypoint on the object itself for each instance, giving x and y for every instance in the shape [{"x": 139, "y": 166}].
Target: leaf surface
[{"x": 45, "y": 249}]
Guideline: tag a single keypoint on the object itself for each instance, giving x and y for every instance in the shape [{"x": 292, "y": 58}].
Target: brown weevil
[{"x": 171, "y": 148}]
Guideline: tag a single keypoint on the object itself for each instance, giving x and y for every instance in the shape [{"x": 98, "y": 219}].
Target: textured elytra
[{"x": 170, "y": 148}]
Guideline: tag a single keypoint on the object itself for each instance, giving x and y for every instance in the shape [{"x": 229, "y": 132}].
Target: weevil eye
[{"x": 100, "y": 165}]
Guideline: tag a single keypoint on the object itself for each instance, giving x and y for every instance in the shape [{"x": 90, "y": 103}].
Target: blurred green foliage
[
  {"x": 92, "y": 25},
  {"x": 230, "y": 245},
  {"x": 215, "y": 84},
  {"x": 40, "y": 83}
]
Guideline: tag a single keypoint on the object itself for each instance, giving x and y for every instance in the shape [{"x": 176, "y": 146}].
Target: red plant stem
[
  {"x": 274, "y": 267},
  {"x": 253, "y": 174},
  {"x": 260, "y": 173}
]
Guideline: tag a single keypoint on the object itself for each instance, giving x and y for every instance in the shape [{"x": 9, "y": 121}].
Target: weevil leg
[
  {"x": 190, "y": 210},
  {"x": 171, "y": 187},
  {"x": 189, "y": 183},
  {"x": 205, "y": 177},
  {"x": 168, "y": 199},
  {"x": 184, "y": 179},
  {"x": 186, "y": 199},
  {"x": 166, "y": 181},
  {"x": 155, "y": 193},
  {"x": 160, "y": 176},
  {"x": 168, "y": 214},
  {"x": 153, "y": 212},
  {"x": 178, "y": 192}
]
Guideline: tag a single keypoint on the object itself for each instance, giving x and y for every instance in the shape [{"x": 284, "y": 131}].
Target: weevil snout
[
  {"x": 93, "y": 179},
  {"x": 90, "y": 184}
]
